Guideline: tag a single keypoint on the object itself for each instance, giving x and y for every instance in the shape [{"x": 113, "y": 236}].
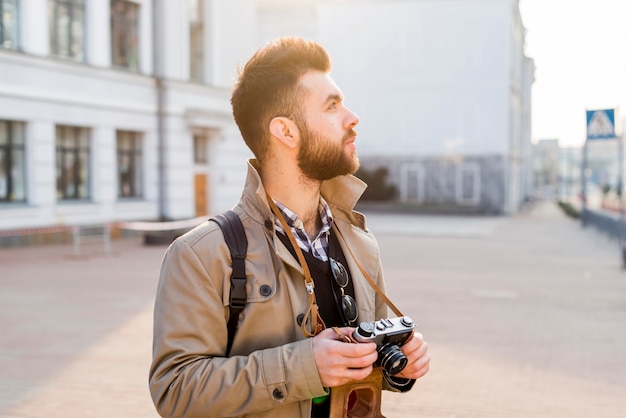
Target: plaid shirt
[{"x": 318, "y": 247}]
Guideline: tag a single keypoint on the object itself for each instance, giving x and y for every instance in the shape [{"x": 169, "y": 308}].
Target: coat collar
[{"x": 341, "y": 192}]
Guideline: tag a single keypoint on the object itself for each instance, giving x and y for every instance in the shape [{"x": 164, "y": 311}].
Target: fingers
[
  {"x": 418, "y": 358},
  {"x": 339, "y": 362},
  {"x": 346, "y": 349}
]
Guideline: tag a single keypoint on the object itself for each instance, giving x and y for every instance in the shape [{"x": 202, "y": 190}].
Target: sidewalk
[
  {"x": 76, "y": 331},
  {"x": 526, "y": 321},
  {"x": 524, "y": 315}
]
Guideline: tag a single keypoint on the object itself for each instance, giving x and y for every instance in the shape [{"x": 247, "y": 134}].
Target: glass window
[
  {"x": 200, "y": 149},
  {"x": 124, "y": 29},
  {"x": 72, "y": 165},
  {"x": 129, "y": 164},
  {"x": 12, "y": 162},
  {"x": 8, "y": 23},
  {"x": 196, "y": 40},
  {"x": 67, "y": 34}
]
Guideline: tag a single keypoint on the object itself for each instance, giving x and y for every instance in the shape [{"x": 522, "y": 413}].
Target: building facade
[
  {"x": 547, "y": 168},
  {"x": 442, "y": 88},
  {"x": 117, "y": 110}
]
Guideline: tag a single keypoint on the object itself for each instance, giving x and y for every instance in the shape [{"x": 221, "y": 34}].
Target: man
[{"x": 298, "y": 191}]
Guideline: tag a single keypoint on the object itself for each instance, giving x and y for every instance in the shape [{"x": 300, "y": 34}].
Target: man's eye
[{"x": 333, "y": 105}]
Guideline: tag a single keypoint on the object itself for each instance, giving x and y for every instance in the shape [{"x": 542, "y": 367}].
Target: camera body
[{"x": 389, "y": 335}]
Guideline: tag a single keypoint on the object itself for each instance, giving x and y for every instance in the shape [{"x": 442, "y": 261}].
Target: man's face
[{"x": 327, "y": 138}]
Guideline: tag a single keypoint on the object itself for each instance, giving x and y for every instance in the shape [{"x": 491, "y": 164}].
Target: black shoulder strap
[{"x": 235, "y": 237}]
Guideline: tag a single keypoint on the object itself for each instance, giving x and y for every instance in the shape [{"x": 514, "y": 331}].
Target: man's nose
[{"x": 352, "y": 119}]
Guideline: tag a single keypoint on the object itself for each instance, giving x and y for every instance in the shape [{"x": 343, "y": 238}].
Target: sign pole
[
  {"x": 620, "y": 196},
  {"x": 583, "y": 178}
]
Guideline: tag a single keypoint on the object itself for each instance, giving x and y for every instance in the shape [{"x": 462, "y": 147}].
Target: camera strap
[
  {"x": 312, "y": 312},
  {"x": 371, "y": 281},
  {"x": 235, "y": 237}
]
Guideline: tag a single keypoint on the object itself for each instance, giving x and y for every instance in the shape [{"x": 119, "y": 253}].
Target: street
[{"x": 525, "y": 317}]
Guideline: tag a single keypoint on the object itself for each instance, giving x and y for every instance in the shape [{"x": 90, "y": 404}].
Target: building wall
[
  {"x": 442, "y": 89},
  {"x": 545, "y": 166},
  {"x": 527, "y": 150},
  {"x": 424, "y": 76},
  {"x": 42, "y": 92},
  {"x": 472, "y": 184},
  {"x": 435, "y": 83},
  {"x": 443, "y": 84}
]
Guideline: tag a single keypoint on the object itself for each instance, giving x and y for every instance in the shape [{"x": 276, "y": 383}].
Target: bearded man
[{"x": 307, "y": 260}]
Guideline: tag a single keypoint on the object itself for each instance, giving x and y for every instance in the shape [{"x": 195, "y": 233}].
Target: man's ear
[{"x": 285, "y": 130}]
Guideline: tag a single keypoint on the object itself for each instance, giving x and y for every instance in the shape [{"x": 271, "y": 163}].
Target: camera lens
[{"x": 392, "y": 359}]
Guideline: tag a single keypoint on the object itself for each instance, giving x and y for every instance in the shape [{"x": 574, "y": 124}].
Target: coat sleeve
[{"x": 189, "y": 375}]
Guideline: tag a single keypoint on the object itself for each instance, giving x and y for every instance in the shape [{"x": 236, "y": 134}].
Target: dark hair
[{"x": 268, "y": 86}]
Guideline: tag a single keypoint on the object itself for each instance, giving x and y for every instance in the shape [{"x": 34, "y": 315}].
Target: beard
[{"x": 321, "y": 159}]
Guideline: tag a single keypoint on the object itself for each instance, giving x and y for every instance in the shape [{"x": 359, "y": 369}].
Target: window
[
  {"x": 8, "y": 23},
  {"x": 67, "y": 24},
  {"x": 412, "y": 182},
  {"x": 468, "y": 184},
  {"x": 196, "y": 40},
  {"x": 200, "y": 149},
  {"x": 72, "y": 163},
  {"x": 12, "y": 162},
  {"x": 124, "y": 28},
  {"x": 129, "y": 164}
]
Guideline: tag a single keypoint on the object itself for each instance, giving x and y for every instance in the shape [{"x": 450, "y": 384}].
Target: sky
[{"x": 579, "y": 49}]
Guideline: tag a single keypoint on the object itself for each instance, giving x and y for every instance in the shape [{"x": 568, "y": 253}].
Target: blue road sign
[{"x": 600, "y": 124}]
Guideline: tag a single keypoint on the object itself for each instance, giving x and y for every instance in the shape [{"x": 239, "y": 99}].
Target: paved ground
[{"x": 526, "y": 317}]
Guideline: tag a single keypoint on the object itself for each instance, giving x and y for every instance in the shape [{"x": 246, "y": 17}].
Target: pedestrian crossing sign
[{"x": 601, "y": 124}]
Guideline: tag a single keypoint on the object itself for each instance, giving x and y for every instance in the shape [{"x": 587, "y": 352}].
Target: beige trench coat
[{"x": 271, "y": 371}]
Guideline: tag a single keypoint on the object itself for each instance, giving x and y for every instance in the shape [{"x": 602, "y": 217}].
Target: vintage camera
[{"x": 389, "y": 335}]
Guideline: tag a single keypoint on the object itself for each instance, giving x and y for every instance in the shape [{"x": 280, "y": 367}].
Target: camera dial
[
  {"x": 407, "y": 321},
  {"x": 365, "y": 329}
]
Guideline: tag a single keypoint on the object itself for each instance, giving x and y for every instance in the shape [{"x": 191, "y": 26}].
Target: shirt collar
[
  {"x": 318, "y": 246},
  {"x": 294, "y": 221}
]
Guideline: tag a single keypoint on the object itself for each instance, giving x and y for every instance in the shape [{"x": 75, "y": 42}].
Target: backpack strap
[{"x": 235, "y": 237}]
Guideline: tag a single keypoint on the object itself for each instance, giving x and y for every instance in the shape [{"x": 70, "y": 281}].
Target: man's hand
[
  {"x": 418, "y": 360},
  {"x": 338, "y": 362}
]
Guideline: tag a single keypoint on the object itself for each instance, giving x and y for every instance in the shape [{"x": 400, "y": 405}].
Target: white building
[
  {"x": 117, "y": 110},
  {"x": 442, "y": 88},
  {"x": 547, "y": 170}
]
